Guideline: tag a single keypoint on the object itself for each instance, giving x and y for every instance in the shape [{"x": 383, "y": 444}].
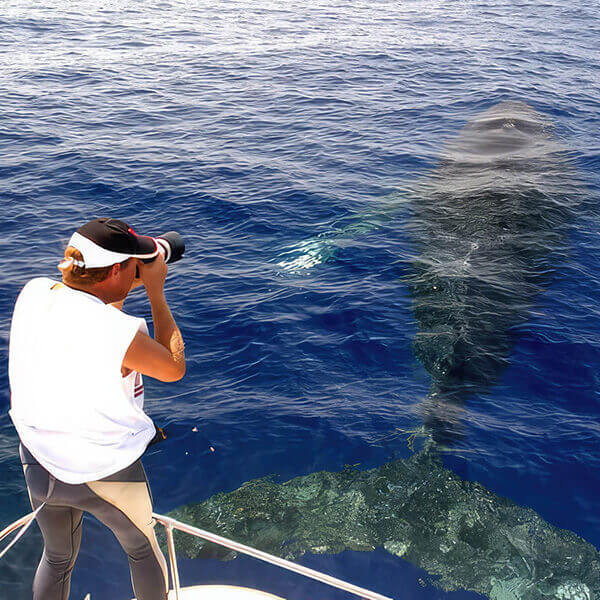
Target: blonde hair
[{"x": 80, "y": 275}]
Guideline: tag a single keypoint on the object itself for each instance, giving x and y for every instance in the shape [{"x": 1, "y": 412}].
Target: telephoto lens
[{"x": 170, "y": 245}]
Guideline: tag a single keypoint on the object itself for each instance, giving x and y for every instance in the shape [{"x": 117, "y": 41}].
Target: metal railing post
[
  {"x": 173, "y": 560},
  {"x": 23, "y": 523}
]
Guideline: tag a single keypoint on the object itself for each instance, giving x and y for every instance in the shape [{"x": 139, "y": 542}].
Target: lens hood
[{"x": 170, "y": 245}]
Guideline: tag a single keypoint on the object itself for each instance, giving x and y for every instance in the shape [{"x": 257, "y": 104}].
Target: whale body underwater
[{"x": 486, "y": 225}]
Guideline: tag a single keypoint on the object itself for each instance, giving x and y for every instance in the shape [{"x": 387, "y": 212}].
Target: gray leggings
[{"x": 121, "y": 501}]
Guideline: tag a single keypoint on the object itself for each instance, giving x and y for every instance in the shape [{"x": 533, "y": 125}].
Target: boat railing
[{"x": 171, "y": 524}]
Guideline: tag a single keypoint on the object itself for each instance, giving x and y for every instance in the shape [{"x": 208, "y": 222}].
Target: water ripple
[{"x": 291, "y": 145}]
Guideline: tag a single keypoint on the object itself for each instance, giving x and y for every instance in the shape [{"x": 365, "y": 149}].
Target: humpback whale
[
  {"x": 487, "y": 225},
  {"x": 466, "y": 536}
]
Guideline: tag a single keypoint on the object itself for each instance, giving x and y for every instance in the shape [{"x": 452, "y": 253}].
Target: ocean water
[{"x": 256, "y": 130}]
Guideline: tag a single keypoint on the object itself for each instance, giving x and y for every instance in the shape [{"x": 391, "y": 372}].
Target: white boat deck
[{"x": 221, "y": 592}]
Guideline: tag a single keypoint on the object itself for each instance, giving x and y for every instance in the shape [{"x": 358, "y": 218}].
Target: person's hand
[{"x": 153, "y": 275}]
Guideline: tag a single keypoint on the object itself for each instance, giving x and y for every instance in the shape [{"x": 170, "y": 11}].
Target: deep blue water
[{"x": 250, "y": 127}]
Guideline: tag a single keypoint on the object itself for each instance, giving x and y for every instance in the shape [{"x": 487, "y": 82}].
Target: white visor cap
[{"x": 94, "y": 256}]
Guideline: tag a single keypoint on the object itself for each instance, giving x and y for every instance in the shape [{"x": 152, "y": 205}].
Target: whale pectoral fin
[
  {"x": 323, "y": 248},
  {"x": 307, "y": 255}
]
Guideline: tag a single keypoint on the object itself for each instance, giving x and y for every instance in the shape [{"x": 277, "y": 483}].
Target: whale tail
[{"x": 441, "y": 428}]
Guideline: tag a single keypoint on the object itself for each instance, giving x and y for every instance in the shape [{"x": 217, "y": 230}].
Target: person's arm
[{"x": 162, "y": 357}]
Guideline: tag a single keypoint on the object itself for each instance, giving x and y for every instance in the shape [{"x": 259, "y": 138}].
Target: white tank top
[{"x": 70, "y": 404}]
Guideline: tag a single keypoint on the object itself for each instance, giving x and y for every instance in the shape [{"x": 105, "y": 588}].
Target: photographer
[{"x": 75, "y": 367}]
